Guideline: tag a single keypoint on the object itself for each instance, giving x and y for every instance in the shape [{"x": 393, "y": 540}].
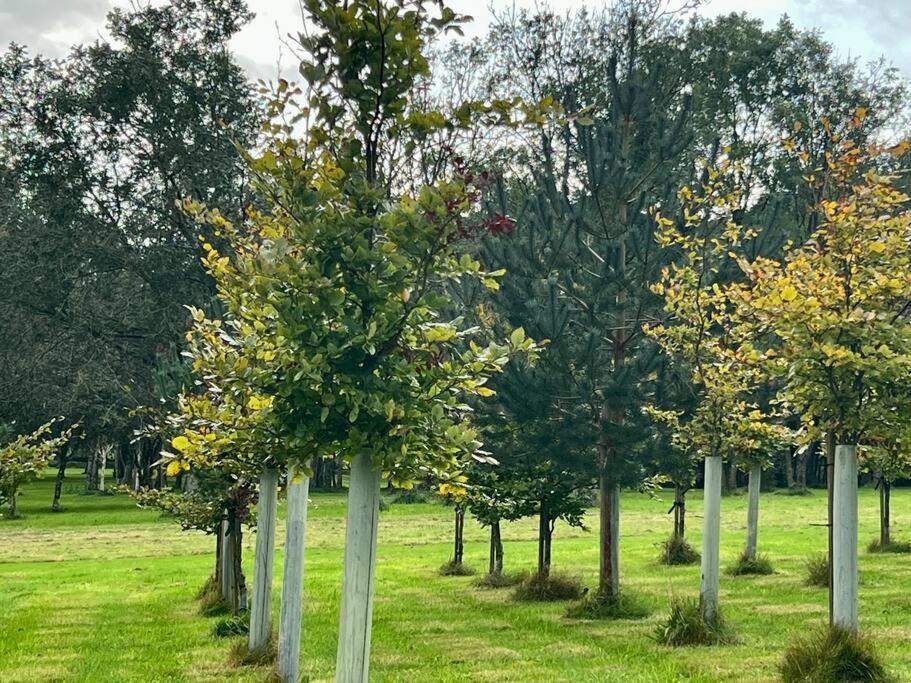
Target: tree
[
  {"x": 334, "y": 290},
  {"x": 23, "y": 458},
  {"x": 702, "y": 330},
  {"x": 836, "y": 305},
  {"x": 887, "y": 461},
  {"x": 98, "y": 261}
]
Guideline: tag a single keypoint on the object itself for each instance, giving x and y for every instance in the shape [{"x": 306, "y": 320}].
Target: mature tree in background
[{"x": 98, "y": 261}]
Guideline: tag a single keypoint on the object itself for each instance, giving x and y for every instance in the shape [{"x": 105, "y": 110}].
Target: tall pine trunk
[
  {"x": 353, "y": 657},
  {"x": 289, "y": 626},
  {"x": 261, "y": 603}
]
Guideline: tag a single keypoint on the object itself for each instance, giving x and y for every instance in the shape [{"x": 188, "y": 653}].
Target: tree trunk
[
  {"x": 609, "y": 509},
  {"x": 458, "y": 552},
  {"x": 844, "y": 559},
  {"x": 679, "y": 511},
  {"x": 233, "y": 585},
  {"x": 801, "y": 479},
  {"x": 91, "y": 464},
  {"x": 353, "y": 657},
  {"x": 219, "y": 545},
  {"x": 732, "y": 478},
  {"x": 62, "y": 459},
  {"x": 13, "y": 494},
  {"x": 102, "y": 464},
  {"x": 289, "y": 625},
  {"x": 755, "y": 482},
  {"x": 261, "y": 606},
  {"x": 496, "y": 549},
  {"x": 789, "y": 467},
  {"x": 885, "y": 494},
  {"x": 545, "y": 534},
  {"x": 711, "y": 536}
]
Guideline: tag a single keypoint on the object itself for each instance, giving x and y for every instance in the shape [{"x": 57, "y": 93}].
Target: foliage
[
  {"x": 817, "y": 568},
  {"x": 676, "y": 550},
  {"x": 832, "y": 655},
  {"x": 751, "y": 565},
  {"x": 548, "y": 587},
  {"x": 97, "y": 261},
  {"x": 687, "y": 626},
  {"x": 24, "y": 457},
  {"x": 835, "y": 304},
  {"x": 334, "y": 291}
]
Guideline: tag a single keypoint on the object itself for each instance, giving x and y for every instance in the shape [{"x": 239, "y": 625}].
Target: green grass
[{"x": 106, "y": 592}]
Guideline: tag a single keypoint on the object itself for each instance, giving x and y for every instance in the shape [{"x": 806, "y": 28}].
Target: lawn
[{"x": 105, "y": 592}]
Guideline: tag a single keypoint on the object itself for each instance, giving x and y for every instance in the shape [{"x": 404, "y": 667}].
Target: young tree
[
  {"x": 701, "y": 330},
  {"x": 24, "y": 457},
  {"x": 887, "y": 461},
  {"x": 837, "y": 307},
  {"x": 335, "y": 291}
]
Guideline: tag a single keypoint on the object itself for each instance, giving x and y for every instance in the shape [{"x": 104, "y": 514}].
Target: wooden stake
[{"x": 289, "y": 623}]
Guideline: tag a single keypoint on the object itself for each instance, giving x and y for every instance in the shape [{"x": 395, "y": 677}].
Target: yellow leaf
[
  {"x": 173, "y": 468},
  {"x": 485, "y": 391},
  {"x": 788, "y": 293},
  {"x": 181, "y": 443}
]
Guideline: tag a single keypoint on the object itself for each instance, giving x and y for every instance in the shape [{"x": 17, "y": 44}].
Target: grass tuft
[
  {"x": 818, "y": 571},
  {"x": 236, "y": 625},
  {"x": 548, "y": 588},
  {"x": 501, "y": 580},
  {"x": 890, "y": 547},
  {"x": 830, "y": 656},
  {"x": 211, "y": 603},
  {"x": 759, "y": 565},
  {"x": 686, "y": 626},
  {"x": 676, "y": 550},
  {"x": 242, "y": 655},
  {"x": 453, "y": 568},
  {"x": 794, "y": 491},
  {"x": 600, "y": 606}
]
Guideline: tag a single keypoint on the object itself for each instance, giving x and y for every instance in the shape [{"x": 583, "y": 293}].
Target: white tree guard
[
  {"x": 844, "y": 539},
  {"x": 289, "y": 623},
  {"x": 353, "y": 659},
  {"x": 753, "y": 510},
  {"x": 711, "y": 537}
]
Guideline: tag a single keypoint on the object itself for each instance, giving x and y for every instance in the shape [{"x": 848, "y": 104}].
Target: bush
[
  {"x": 751, "y": 565},
  {"x": 236, "y": 625},
  {"x": 686, "y": 626},
  {"x": 818, "y": 571},
  {"x": 832, "y": 655},
  {"x": 453, "y": 568},
  {"x": 548, "y": 588},
  {"x": 890, "y": 547},
  {"x": 501, "y": 580},
  {"x": 677, "y": 551},
  {"x": 600, "y": 606},
  {"x": 242, "y": 655}
]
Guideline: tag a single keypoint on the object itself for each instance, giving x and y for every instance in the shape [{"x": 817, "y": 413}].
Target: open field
[{"x": 105, "y": 592}]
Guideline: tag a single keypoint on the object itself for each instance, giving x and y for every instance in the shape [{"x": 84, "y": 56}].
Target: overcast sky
[{"x": 859, "y": 28}]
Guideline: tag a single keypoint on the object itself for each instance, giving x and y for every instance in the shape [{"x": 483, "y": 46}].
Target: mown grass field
[{"x": 105, "y": 592}]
